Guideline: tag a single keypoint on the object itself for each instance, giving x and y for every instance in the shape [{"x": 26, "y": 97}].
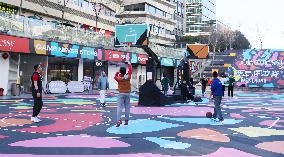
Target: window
[
  {"x": 152, "y": 9},
  {"x": 136, "y": 7},
  {"x": 85, "y": 4}
]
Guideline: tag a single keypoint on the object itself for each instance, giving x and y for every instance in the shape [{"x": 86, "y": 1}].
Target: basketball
[{"x": 209, "y": 115}]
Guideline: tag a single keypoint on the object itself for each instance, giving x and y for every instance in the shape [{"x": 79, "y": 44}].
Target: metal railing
[{"x": 54, "y": 31}]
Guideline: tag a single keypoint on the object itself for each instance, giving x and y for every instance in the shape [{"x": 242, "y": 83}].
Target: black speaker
[{"x": 185, "y": 69}]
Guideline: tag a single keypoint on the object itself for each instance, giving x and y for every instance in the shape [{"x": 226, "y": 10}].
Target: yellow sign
[
  {"x": 227, "y": 65},
  {"x": 6, "y": 8},
  {"x": 233, "y": 54},
  {"x": 217, "y": 70},
  {"x": 39, "y": 46}
]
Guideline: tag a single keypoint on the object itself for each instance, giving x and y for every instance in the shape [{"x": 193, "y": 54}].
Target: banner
[
  {"x": 259, "y": 68},
  {"x": 116, "y": 56},
  {"x": 51, "y": 48},
  {"x": 14, "y": 44},
  {"x": 66, "y": 50}
]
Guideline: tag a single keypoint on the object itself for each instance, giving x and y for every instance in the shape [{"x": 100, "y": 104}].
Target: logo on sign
[{"x": 7, "y": 43}]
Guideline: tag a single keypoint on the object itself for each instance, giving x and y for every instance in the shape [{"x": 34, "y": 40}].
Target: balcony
[{"x": 38, "y": 29}]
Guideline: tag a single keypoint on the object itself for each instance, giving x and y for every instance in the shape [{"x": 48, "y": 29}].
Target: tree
[
  {"x": 195, "y": 39},
  {"x": 240, "y": 41}
]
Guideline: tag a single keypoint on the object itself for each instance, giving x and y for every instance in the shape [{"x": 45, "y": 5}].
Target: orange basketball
[{"x": 209, "y": 115}]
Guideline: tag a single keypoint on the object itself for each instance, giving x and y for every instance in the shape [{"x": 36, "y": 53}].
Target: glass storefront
[
  {"x": 27, "y": 62},
  {"x": 93, "y": 69},
  {"x": 62, "y": 69}
]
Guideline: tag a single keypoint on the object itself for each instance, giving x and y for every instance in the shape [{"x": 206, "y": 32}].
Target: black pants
[
  {"x": 37, "y": 104},
  {"x": 203, "y": 89},
  {"x": 165, "y": 92},
  {"x": 231, "y": 91},
  {"x": 223, "y": 88}
]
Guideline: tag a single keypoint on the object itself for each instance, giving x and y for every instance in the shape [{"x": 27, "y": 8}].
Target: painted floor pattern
[{"x": 76, "y": 125}]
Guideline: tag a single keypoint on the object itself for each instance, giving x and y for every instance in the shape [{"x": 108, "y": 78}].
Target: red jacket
[{"x": 124, "y": 85}]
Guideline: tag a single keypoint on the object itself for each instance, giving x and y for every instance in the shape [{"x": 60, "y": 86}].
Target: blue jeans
[
  {"x": 123, "y": 101},
  {"x": 217, "y": 108}
]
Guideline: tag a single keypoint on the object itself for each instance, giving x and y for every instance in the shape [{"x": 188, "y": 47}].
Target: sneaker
[
  {"x": 34, "y": 119},
  {"x": 39, "y": 120},
  {"x": 118, "y": 123},
  {"x": 126, "y": 122}
]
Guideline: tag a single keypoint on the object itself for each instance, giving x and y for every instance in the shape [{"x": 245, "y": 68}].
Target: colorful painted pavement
[{"x": 76, "y": 125}]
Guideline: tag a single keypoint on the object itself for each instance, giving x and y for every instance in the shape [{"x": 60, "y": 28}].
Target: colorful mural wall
[{"x": 257, "y": 68}]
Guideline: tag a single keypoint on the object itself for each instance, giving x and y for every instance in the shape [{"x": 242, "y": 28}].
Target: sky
[{"x": 257, "y": 19}]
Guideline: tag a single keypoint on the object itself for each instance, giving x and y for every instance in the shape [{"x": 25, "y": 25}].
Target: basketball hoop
[{"x": 129, "y": 44}]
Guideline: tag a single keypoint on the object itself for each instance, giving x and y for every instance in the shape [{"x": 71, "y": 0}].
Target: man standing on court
[
  {"x": 165, "y": 84},
  {"x": 103, "y": 86},
  {"x": 37, "y": 92},
  {"x": 217, "y": 92},
  {"x": 231, "y": 86},
  {"x": 204, "y": 82},
  {"x": 124, "y": 88}
]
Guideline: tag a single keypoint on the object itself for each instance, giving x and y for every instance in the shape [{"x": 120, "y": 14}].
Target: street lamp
[{"x": 97, "y": 9}]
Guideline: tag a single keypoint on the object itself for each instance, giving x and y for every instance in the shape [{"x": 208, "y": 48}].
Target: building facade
[
  {"x": 200, "y": 16},
  {"x": 179, "y": 16},
  {"x": 159, "y": 14},
  {"x": 72, "y": 40}
]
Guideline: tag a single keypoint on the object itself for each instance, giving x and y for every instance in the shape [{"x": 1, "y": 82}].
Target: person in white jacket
[
  {"x": 223, "y": 79},
  {"x": 103, "y": 85}
]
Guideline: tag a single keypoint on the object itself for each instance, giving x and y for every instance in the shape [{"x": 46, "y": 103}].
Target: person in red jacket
[{"x": 124, "y": 88}]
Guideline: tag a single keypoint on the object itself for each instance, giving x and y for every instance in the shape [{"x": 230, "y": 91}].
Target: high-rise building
[
  {"x": 200, "y": 16},
  {"x": 159, "y": 14},
  {"x": 179, "y": 17}
]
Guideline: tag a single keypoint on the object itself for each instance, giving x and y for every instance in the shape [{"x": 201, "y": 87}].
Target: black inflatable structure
[{"x": 151, "y": 95}]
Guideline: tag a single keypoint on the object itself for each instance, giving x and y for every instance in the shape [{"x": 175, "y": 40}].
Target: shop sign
[
  {"x": 14, "y": 44},
  {"x": 66, "y": 50},
  {"x": 134, "y": 58},
  {"x": 116, "y": 56},
  {"x": 167, "y": 62},
  {"x": 142, "y": 58},
  {"x": 98, "y": 63},
  {"x": 6, "y": 8}
]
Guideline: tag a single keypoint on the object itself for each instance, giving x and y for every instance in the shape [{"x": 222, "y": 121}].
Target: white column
[
  {"x": 80, "y": 70},
  {"x": 4, "y": 66}
]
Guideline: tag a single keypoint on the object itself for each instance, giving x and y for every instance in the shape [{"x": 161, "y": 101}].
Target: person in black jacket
[
  {"x": 186, "y": 94},
  {"x": 165, "y": 84},
  {"x": 204, "y": 82},
  {"x": 36, "y": 80}
]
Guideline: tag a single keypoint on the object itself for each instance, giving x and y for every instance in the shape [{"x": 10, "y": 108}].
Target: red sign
[
  {"x": 116, "y": 56},
  {"x": 142, "y": 58},
  {"x": 14, "y": 44}
]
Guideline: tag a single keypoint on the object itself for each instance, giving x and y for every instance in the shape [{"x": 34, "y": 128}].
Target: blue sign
[
  {"x": 134, "y": 58},
  {"x": 167, "y": 62},
  {"x": 136, "y": 34},
  {"x": 88, "y": 52},
  {"x": 64, "y": 50}
]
